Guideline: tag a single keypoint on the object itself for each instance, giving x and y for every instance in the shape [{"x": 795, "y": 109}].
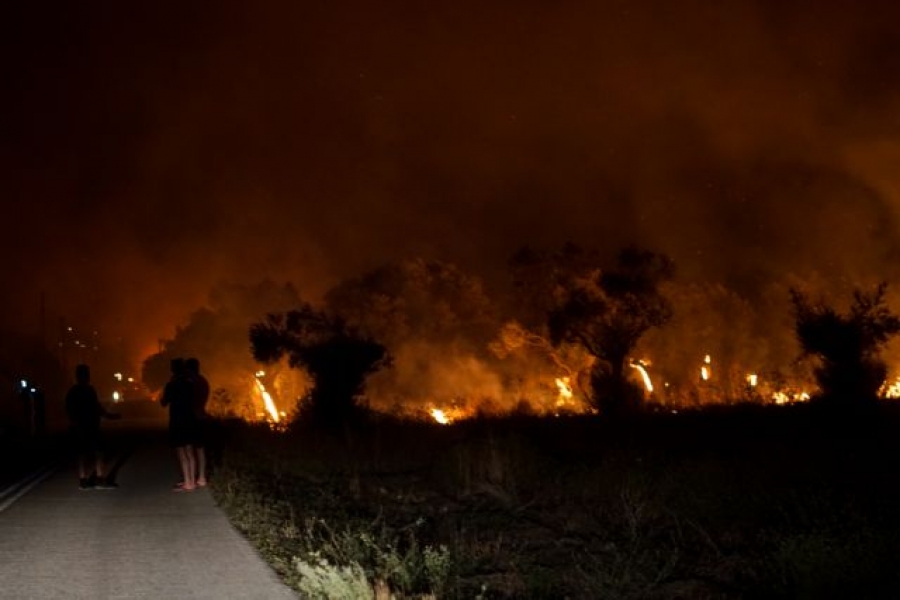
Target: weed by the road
[{"x": 571, "y": 509}]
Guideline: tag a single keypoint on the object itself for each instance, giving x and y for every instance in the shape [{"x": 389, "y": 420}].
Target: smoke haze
[{"x": 150, "y": 152}]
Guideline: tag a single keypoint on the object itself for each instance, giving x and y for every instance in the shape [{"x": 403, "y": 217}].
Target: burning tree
[
  {"x": 540, "y": 283},
  {"x": 607, "y": 313},
  {"x": 846, "y": 344},
  {"x": 337, "y": 356},
  {"x": 435, "y": 319}
]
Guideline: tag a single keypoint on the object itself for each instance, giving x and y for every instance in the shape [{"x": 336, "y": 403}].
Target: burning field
[{"x": 455, "y": 350}]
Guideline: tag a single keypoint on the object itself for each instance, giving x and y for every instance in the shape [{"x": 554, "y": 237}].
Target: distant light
[
  {"x": 23, "y": 383},
  {"x": 33, "y": 390},
  {"x": 116, "y": 396},
  {"x": 118, "y": 376},
  {"x": 131, "y": 380},
  {"x": 260, "y": 373},
  {"x": 70, "y": 329}
]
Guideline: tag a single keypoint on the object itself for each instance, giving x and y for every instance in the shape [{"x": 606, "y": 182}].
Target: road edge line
[{"x": 30, "y": 483}]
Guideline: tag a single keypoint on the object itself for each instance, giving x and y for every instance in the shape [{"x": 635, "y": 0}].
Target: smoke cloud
[{"x": 149, "y": 152}]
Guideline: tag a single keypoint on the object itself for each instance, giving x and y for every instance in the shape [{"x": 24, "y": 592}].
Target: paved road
[{"x": 139, "y": 541}]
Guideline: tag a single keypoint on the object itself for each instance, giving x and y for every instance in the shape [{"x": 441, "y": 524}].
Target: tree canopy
[
  {"x": 337, "y": 356},
  {"x": 847, "y": 344}
]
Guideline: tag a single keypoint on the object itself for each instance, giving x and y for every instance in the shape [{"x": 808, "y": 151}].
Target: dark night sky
[{"x": 148, "y": 152}]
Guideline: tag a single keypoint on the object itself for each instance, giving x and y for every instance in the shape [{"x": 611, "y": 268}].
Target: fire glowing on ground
[
  {"x": 267, "y": 398},
  {"x": 446, "y": 416},
  {"x": 564, "y": 385},
  {"x": 890, "y": 390},
  {"x": 440, "y": 416},
  {"x": 705, "y": 370},
  {"x": 782, "y": 398},
  {"x": 641, "y": 367}
]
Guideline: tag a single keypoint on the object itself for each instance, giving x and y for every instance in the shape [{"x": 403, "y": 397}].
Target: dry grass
[{"x": 776, "y": 504}]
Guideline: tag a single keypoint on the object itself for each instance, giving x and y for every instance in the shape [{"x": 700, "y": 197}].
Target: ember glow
[
  {"x": 645, "y": 376},
  {"x": 564, "y": 385},
  {"x": 269, "y": 404},
  {"x": 447, "y": 415},
  {"x": 890, "y": 390},
  {"x": 706, "y": 370},
  {"x": 781, "y": 397}
]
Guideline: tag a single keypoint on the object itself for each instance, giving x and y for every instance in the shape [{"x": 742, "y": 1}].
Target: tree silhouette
[
  {"x": 850, "y": 371},
  {"x": 217, "y": 335},
  {"x": 604, "y": 311},
  {"x": 337, "y": 357},
  {"x": 416, "y": 299}
]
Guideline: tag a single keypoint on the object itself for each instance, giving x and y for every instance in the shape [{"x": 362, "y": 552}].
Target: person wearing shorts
[
  {"x": 200, "y": 398},
  {"x": 178, "y": 396}
]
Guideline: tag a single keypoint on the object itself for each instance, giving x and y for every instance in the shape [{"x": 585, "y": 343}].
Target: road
[{"x": 139, "y": 541}]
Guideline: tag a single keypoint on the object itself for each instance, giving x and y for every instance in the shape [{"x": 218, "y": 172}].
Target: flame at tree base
[{"x": 267, "y": 398}]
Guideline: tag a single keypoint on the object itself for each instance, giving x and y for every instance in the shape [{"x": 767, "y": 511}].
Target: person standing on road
[
  {"x": 201, "y": 397},
  {"x": 85, "y": 411},
  {"x": 178, "y": 395}
]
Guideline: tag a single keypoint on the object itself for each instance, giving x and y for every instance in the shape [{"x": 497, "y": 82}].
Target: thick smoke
[{"x": 148, "y": 152}]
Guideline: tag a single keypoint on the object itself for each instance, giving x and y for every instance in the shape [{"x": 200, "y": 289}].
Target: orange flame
[
  {"x": 890, "y": 389},
  {"x": 267, "y": 398},
  {"x": 645, "y": 376},
  {"x": 705, "y": 370},
  {"x": 565, "y": 391},
  {"x": 439, "y": 416}
]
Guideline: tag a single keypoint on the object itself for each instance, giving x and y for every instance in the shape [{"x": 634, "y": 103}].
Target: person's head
[
  {"x": 192, "y": 365},
  {"x": 83, "y": 374},
  {"x": 177, "y": 366}
]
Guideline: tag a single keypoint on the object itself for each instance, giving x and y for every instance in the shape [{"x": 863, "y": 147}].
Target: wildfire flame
[
  {"x": 782, "y": 398},
  {"x": 890, "y": 389},
  {"x": 752, "y": 379},
  {"x": 267, "y": 398},
  {"x": 439, "y": 416},
  {"x": 705, "y": 371},
  {"x": 648, "y": 384},
  {"x": 565, "y": 391}
]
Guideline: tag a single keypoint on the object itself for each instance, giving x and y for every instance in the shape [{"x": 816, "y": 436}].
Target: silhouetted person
[
  {"x": 85, "y": 411},
  {"x": 178, "y": 395},
  {"x": 200, "y": 398}
]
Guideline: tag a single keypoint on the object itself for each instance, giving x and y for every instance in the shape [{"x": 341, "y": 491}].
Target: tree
[
  {"x": 847, "y": 345},
  {"x": 607, "y": 312},
  {"x": 415, "y": 300},
  {"x": 217, "y": 335},
  {"x": 712, "y": 319},
  {"x": 435, "y": 320},
  {"x": 336, "y": 355}
]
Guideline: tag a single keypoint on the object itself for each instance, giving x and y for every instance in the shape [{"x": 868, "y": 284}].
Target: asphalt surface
[{"x": 139, "y": 541}]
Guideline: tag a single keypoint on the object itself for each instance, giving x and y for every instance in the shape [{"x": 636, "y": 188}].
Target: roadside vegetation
[
  {"x": 596, "y": 428},
  {"x": 776, "y": 502}
]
